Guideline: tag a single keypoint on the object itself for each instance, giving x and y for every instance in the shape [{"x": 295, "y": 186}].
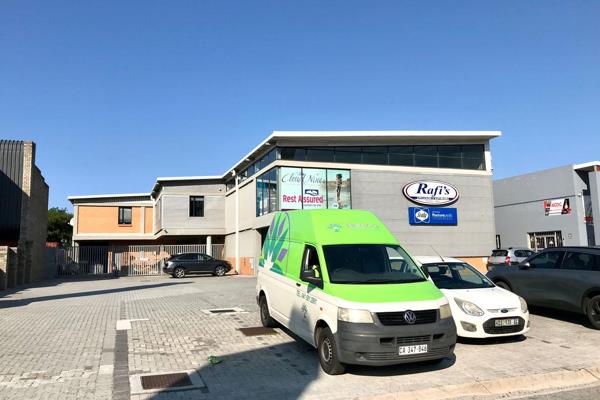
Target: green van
[{"x": 341, "y": 281}]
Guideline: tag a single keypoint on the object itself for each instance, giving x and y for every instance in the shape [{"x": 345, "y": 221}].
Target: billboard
[
  {"x": 557, "y": 207},
  {"x": 313, "y": 188}
]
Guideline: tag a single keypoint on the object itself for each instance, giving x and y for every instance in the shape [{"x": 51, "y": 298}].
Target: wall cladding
[
  {"x": 381, "y": 193},
  {"x": 11, "y": 180}
]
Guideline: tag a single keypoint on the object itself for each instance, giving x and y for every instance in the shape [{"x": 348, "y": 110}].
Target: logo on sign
[
  {"x": 434, "y": 193},
  {"x": 410, "y": 317},
  {"x": 421, "y": 215},
  {"x": 311, "y": 192}
]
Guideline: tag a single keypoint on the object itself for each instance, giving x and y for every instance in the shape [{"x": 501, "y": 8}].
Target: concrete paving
[{"x": 96, "y": 339}]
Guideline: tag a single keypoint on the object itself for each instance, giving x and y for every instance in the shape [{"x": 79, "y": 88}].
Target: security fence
[{"x": 79, "y": 261}]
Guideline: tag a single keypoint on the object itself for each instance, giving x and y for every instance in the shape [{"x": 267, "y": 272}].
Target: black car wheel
[
  {"x": 328, "y": 357},
  {"x": 265, "y": 317},
  {"x": 593, "y": 312},
  {"x": 503, "y": 285},
  {"x": 220, "y": 270},
  {"x": 179, "y": 272}
]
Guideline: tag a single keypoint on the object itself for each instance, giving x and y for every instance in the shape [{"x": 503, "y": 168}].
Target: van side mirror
[
  {"x": 524, "y": 265},
  {"x": 309, "y": 275}
]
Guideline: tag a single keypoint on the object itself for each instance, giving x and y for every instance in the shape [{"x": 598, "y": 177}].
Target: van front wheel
[
  {"x": 328, "y": 357},
  {"x": 265, "y": 317}
]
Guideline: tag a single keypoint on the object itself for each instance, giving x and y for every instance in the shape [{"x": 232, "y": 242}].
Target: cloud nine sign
[{"x": 433, "y": 193}]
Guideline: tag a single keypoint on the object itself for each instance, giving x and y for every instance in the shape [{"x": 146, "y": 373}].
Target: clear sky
[{"x": 116, "y": 93}]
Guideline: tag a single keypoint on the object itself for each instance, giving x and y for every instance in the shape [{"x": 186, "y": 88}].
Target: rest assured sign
[{"x": 434, "y": 193}]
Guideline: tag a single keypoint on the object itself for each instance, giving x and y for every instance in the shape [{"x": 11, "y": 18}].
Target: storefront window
[{"x": 290, "y": 188}]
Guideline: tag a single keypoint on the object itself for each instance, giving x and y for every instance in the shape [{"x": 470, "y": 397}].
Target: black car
[
  {"x": 186, "y": 263},
  {"x": 566, "y": 278}
]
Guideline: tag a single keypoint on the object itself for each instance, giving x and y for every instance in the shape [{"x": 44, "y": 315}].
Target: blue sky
[{"x": 115, "y": 93}]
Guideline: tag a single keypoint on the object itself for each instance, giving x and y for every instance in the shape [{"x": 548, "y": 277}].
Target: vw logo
[{"x": 410, "y": 317}]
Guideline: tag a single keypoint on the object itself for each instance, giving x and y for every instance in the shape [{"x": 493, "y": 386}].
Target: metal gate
[{"x": 123, "y": 260}]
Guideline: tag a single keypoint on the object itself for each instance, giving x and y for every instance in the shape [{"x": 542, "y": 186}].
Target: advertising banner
[
  {"x": 557, "y": 207},
  {"x": 433, "y": 193},
  {"x": 432, "y": 216},
  {"x": 314, "y": 187},
  {"x": 338, "y": 189},
  {"x": 290, "y": 188}
]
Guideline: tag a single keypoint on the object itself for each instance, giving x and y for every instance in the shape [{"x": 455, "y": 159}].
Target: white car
[{"x": 480, "y": 308}]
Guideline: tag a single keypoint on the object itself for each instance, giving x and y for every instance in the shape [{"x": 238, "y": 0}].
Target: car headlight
[
  {"x": 469, "y": 308},
  {"x": 523, "y": 305},
  {"x": 356, "y": 316},
  {"x": 445, "y": 311}
]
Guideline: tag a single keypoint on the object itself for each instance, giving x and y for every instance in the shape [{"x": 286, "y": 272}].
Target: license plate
[
  {"x": 417, "y": 349},
  {"x": 506, "y": 322}
]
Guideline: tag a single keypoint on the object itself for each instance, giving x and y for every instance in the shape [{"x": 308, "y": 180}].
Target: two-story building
[{"x": 380, "y": 171}]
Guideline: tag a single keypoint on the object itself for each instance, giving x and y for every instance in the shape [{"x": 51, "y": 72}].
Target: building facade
[
  {"x": 23, "y": 215},
  {"x": 549, "y": 208},
  {"x": 305, "y": 170}
]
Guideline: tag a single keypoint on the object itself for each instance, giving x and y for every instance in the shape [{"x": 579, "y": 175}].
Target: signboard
[
  {"x": 290, "y": 188},
  {"x": 431, "y": 193},
  {"x": 338, "y": 188},
  {"x": 314, "y": 187},
  {"x": 557, "y": 207},
  {"x": 432, "y": 216}
]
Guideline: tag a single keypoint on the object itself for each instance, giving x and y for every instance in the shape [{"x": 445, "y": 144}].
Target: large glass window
[
  {"x": 370, "y": 264},
  {"x": 291, "y": 188},
  {"x": 470, "y": 156}
]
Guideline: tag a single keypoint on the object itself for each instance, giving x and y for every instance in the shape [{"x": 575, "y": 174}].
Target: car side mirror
[
  {"x": 524, "y": 265},
  {"x": 425, "y": 272},
  {"x": 311, "y": 277}
]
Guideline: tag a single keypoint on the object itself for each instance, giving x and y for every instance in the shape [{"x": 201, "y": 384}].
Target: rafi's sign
[
  {"x": 431, "y": 193},
  {"x": 432, "y": 216}
]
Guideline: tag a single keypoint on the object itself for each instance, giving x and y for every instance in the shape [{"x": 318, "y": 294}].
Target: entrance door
[{"x": 544, "y": 240}]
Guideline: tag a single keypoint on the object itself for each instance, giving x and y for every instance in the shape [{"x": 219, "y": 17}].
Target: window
[
  {"x": 548, "y": 260},
  {"x": 450, "y": 156},
  {"x": 370, "y": 264},
  {"x": 499, "y": 253},
  {"x": 457, "y": 276},
  {"x": 582, "y": 261},
  {"x": 375, "y": 155},
  {"x": 426, "y": 156},
  {"x": 188, "y": 257},
  {"x": 402, "y": 155},
  {"x": 351, "y": 155},
  {"x": 266, "y": 192},
  {"x": 324, "y": 154},
  {"x": 293, "y": 153},
  {"x": 310, "y": 262},
  {"x": 523, "y": 253},
  {"x": 196, "y": 206},
  {"x": 124, "y": 215}
]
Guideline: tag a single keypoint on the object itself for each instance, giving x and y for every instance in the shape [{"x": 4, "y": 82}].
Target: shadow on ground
[
  {"x": 7, "y": 303},
  {"x": 282, "y": 371},
  {"x": 565, "y": 316}
]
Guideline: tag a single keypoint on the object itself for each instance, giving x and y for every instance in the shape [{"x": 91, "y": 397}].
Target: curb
[{"x": 504, "y": 386}]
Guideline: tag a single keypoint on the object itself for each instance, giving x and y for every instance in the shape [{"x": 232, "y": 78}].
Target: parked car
[
  {"x": 566, "y": 278},
  {"x": 480, "y": 308},
  {"x": 510, "y": 256},
  {"x": 182, "y": 264},
  {"x": 340, "y": 280}
]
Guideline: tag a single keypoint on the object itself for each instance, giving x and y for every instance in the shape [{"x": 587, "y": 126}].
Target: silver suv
[{"x": 510, "y": 256}]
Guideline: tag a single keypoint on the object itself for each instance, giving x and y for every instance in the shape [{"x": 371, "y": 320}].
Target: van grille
[{"x": 397, "y": 318}]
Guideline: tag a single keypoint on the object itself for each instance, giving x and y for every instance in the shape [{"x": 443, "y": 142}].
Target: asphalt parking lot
[{"x": 98, "y": 339}]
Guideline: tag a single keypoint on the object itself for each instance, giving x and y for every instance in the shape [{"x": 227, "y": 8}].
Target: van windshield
[{"x": 371, "y": 264}]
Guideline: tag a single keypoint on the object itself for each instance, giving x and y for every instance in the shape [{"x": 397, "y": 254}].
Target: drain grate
[
  {"x": 257, "y": 331},
  {"x": 165, "y": 381},
  {"x": 222, "y": 311}
]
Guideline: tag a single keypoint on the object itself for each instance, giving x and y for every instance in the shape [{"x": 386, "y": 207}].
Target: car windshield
[
  {"x": 457, "y": 276},
  {"x": 370, "y": 264}
]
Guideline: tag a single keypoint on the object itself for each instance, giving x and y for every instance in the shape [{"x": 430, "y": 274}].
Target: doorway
[{"x": 543, "y": 240}]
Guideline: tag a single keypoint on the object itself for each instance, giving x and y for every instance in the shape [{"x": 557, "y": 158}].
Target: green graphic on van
[{"x": 275, "y": 248}]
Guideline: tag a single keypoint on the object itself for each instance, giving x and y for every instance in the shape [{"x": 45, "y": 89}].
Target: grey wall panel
[
  {"x": 11, "y": 180},
  {"x": 547, "y": 184},
  {"x": 176, "y": 213},
  {"x": 474, "y": 236},
  {"x": 186, "y": 187}
]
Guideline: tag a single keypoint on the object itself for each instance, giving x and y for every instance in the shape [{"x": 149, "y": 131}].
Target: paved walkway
[{"x": 94, "y": 339}]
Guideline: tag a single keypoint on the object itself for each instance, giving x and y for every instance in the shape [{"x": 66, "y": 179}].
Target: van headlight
[
  {"x": 445, "y": 311},
  {"x": 524, "y": 308},
  {"x": 356, "y": 316},
  {"x": 469, "y": 308}
]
